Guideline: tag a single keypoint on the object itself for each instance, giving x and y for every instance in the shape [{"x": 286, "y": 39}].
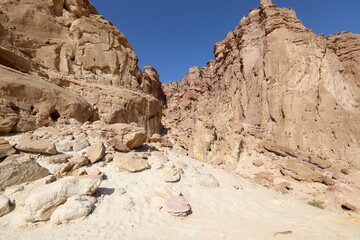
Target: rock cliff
[
  {"x": 274, "y": 87},
  {"x": 68, "y": 44}
]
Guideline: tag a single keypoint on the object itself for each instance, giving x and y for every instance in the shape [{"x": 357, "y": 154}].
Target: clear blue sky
[{"x": 174, "y": 35}]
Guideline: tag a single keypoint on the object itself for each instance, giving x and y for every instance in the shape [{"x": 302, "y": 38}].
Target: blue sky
[{"x": 174, "y": 35}]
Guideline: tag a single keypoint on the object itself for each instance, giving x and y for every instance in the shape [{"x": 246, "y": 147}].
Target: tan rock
[
  {"x": 118, "y": 144},
  {"x": 132, "y": 136},
  {"x": 43, "y": 201},
  {"x": 172, "y": 176},
  {"x": 265, "y": 179},
  {"x": 96, "y": 152},
  {"x": 81, "y": 144},
  {"x": 36, "y": 146},
  {"x": 301, "y": 171},
  {"x": 20, "y": 171},
  {"x": 178, "y": 206},
  {"x": 131, "y": 163},
  {"x": 76, "y": 207},
  {"x": 282, "y": 187},
  {"x": 59, "y": 159},
  {"x": 5, "y": 207},
  {"x": 6, "y": 149},
  {"x": 156, "y": 138},
  {"x": 79, "y": 161},
  {"x": 258, "y": 163},
  {"x": 320, "y": 162},
  {"x": 208, "y": 180},
  {"x": 93, "y": 171}
]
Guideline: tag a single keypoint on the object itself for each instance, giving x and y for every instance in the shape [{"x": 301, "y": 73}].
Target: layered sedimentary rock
[
  {"x": 274, "y": 83},
  {"x": 69, "y": 44}
]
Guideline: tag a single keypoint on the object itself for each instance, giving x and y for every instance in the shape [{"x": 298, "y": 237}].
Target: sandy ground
[{"x": 238, "y": 209}]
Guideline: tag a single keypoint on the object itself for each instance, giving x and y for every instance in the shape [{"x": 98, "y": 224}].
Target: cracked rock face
[
  {"x": 276, "y": 81},
  {"x": 69, "y": 44}
]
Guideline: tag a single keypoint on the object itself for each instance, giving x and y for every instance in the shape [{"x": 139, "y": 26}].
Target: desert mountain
[
  {"x": 277, "y": 83},
  {"x": 81, "y": 67},
  {"x": 274, "y": 121}
]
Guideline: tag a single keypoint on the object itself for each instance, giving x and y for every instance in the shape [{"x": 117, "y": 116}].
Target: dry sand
[{"x": 238, "y": 209}]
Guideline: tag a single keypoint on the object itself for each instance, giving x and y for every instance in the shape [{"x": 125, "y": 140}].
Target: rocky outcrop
[
  {"x": 67, "y": 45},
  {"x": 273, "y": 81}
]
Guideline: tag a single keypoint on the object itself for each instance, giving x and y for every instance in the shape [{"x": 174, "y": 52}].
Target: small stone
[
  {"x": 5, "y": 207},
  {"x": 59, "y": 159},
  {"x": 79, "y": 161},
  {"x": 320, "y": 162},
  {"x": 258, "y": 163},
  {"x": 172, "y": 176},
  {"x": 131, "y": 163},
  {"x": 6, "y": 149},
  {"x": 108, "y": 158},
  {"x": 282, "y": 187},
  {"x": 208, "y": 180},
  {"x": 93, "y": 171},
  {"x": 81, "y": 144},
  {"x": 178, "y": 206},
  {"x": 345, "y": 171},
  {"x": 155, "y": 138},
  {"x": 96, "y": 152},
  {"x": 119, "y": 145},
  {"x": 64, "y": 147},
  {"x": 120, "y": 191},
  {"x": 328, "y": 181},
  {"x": 265, "y": 179},
  {"x": 170, "y": 164}
]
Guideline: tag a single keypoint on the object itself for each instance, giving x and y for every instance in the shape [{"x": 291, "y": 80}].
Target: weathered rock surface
[
  {"x": 31, "y": 102},
  {"x": 172, "y": 176},
  {"x": 5, "y": 207},
  {"x": 178, "y": 206},
  {"x": 301, "y": 171},
  {"x": 96, "y": 152},
  {"x": 43, "y": 201},
  {"x": 131, "y": 163},
  {"x": 6, "y": 149},
  {"x": 132, "y": 136},
  {"x": 83, "y": 68},
  {"x": 36, "y": 146},
  {"x": 20, "y": 171},
  {"x": 276, "y": 81},
  {"x": 208, "y": 180},
  {"x": 74, "y": 208}
]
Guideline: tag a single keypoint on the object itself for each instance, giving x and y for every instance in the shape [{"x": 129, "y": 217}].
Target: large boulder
[
  {"x": 76, "y": 207},
  {"x": 96, "y": 152},
  {"x": 131, "y": 135},
  {"x": 42, "y": 202},
  {"x": 32, "y": 145},
  {"x": 20, "y": 171}
]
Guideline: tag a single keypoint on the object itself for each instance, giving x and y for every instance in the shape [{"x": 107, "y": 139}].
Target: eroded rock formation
[
  {"x": 68, "y": 44},
  {"x": 274, "y": 83}
]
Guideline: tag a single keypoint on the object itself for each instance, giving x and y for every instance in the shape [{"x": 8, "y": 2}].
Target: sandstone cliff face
[
  {"x": 68, "y": 43},
  {"x": 274, "y": 83}
]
